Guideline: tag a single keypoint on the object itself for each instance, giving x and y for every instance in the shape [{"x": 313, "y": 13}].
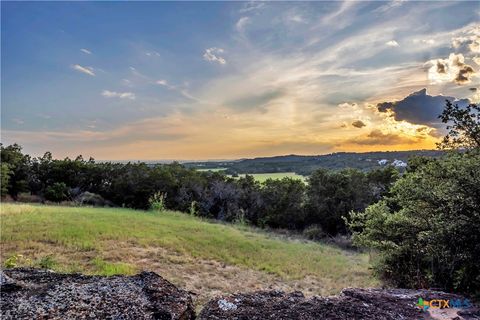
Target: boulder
[
  {"x": 41, "y": 294},
  {"x": 372, "y": 304}
]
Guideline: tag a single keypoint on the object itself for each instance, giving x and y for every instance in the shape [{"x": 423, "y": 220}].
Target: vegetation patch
[{"x": 123, "y": 241}]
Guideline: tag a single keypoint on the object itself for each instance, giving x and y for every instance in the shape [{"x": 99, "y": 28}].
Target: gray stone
[{"x": 40, "y": 294}]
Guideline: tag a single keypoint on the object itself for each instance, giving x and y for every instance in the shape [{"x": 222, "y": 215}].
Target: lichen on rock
[{"x": 41, "y": 294}]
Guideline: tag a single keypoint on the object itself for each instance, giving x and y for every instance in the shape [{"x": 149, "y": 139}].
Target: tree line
[{"x": 281, "y": 203}]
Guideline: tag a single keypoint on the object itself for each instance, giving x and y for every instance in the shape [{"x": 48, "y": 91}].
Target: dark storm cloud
[
  {"x": 358, "y": 124},
  {"x": 441, "y": 67},
  {"x": 464, "y": 74},
  {"x": 419, "y": 108}
]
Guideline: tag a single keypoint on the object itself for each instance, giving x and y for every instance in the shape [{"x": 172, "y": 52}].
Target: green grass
[
  {"x": 212, "y": 169},
  {"x": 78, "y": 239},
  {"x": 261, "y": 177}
]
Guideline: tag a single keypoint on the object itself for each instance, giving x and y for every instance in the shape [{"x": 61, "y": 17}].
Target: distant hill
[{"x": 304, "y": 165}]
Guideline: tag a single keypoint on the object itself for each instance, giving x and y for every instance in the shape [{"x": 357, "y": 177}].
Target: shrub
[
  {"x": 15, "y": 261},
  {"x": 192, "y": 210},
  {"x": 427, "y": 231},
  {"x": 47, "y": 262},
  {"x": 157, "y": 201},
  {"x": 314, "y": 232},
  {"x": 92, "y": 199}
]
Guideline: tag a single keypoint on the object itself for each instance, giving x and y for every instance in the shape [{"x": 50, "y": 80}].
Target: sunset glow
[{"x": 254, "y": 79}]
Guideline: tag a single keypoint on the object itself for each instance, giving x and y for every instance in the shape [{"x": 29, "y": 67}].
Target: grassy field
[
  {"x": 278, "y": 175},
  {"x": 212, "y": 169},
  {"x": 261, "y": 177},
  {"x": 201, "y": 256}
]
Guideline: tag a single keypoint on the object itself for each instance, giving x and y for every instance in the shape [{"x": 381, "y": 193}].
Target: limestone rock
[
  {"x": 371, "y": 304},
  {"x": 41, "y": 294}
]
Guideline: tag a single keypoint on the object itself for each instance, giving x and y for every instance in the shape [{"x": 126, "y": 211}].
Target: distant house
[
  {"x": 399, "y": 163},
  {"x": 383, "y": 162}
]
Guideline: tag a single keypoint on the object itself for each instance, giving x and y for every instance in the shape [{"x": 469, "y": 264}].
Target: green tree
[
  {"x": 57, "y": 192},
  {"x": 463, "y": 125},
  {"x": 427, "y": 231},
  {"x": 332, "y": 195},
  {"x": 283, "y": 201},
  {"x": 5, "y": 177},
  {"x": 19, "y": 165}
]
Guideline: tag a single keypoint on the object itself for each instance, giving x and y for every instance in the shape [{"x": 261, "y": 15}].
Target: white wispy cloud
[
  {"x": 86, "y": 51},
  {"x": 296, "y": 18},
  {"x": 181, "y": 91},
  {"x": 121, "y": 95},
  {"x": 252, "y": 6},
  {"x": 392, "y": 43},
  {"x": 152, "y": 53},
  {"x": 162, "y": 82},
  {"x": 213, "y": 55},
  {"x": 424, "y": 41},
  {"x": 18, "y": 121},
  {"x": 86, "y": 70},
  {"x": 241, "y": 23},
  {"x": 389, "y": 6}
]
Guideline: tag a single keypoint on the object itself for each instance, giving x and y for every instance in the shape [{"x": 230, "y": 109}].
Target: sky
[{"x": 225, "y": 80}]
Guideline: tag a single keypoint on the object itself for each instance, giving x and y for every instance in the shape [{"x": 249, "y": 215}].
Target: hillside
[
  {"x": 204, "y": 257},
  {"x": 306, "y": 164}
]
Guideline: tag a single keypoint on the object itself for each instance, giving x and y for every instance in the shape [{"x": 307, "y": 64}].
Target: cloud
[
  {"x": 392, "y": 43},
  {"x": 296, "y": 18},
  {"x": 213, "y": 55},
  {"x": 152, "y": 53},
  {"x": 86, "y": 51},
  {"x": 425, "y": 41},
  {"x": 469, "y": 40},
  {"x": 121, "y": 95},
  {"x": 181, "y": 91},
  {"x": 252, "y": 6},
  {"x": 389, "y": 6},
  {"x": 378, "y": 137},
  {"x": 452, "y": 69},
  {"x": 259, "y": 100},
  {"x": 358, "y": 124},
  {"x": 464, "y": 74},
  {"x": 241, "y": 23},
  {"x": 18, "y": 121},
  {"x": 419, "y": 108},
  {"x": 86, "y": 70}
]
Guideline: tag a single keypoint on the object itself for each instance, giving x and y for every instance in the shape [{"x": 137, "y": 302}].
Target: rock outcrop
[
  {"x": 39, "y": 294},
  {"x": 371, "y": 304}
]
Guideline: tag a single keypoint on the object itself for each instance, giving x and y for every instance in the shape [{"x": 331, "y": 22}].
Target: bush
[
  {"x": 56, "y": 192},
  {"x": 427, "y": 231},
  {"x": 157, "y": 201},
  {"x": 47, "y": 262},
  {"x": 314, "y": 232},
  {"x": 92, "y": 199}
]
